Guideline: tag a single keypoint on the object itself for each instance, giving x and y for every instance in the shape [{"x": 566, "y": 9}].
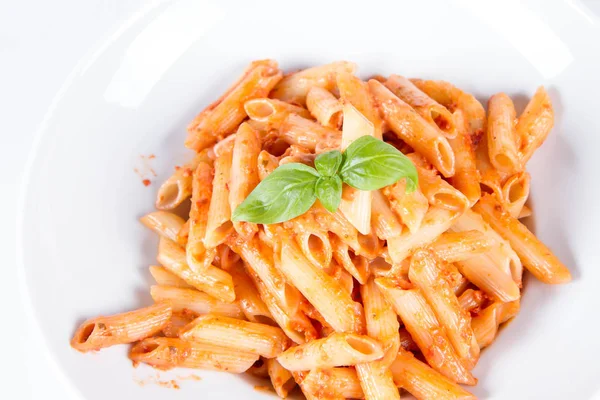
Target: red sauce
[{"x": 146, "y": 182}]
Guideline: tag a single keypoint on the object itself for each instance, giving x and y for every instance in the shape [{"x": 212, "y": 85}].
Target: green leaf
[
  {"x": 329, "y": 163},
  {"x": 287, "y": 192},
  {"x": 329, "y": 192},
  {"x": 370, "y": 164}
]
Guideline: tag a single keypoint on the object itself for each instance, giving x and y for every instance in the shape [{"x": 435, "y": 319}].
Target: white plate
[{"x": 85, "y": 254}]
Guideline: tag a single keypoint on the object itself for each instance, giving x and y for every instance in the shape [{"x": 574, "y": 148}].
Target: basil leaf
[
  {"x": 328, "y": 163},
  {"x": 329, "y": 192},
  {"x": 287, "y": 192},
  {"x": 370, "y": 164}
]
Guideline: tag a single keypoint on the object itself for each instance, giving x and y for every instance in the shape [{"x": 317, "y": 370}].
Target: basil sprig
[{"x": 290, "y": 190}]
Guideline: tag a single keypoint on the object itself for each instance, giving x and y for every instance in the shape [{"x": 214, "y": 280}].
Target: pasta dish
[{"x": 349, "y": 238}]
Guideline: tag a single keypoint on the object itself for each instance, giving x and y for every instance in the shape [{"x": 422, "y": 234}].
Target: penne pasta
[
  {"x": 164, "y": 223},
  {"x": 429, "y": 276},
  {"x": 164, "y": 277},
  {"x": 337, "y": 349},
  {"x": 167, "y": 353},
  {"x": 500, "y": 254},
  {"x": 178, "y": 187},
  {"x": 272, "y": 112},
  {"x": 282, "y": 380},
  {"x": 212, "y": 280},
  {"x": 472, "y": 300},
  {"x": 414, "y": 130},
  {"x": 515, "y": 193},
  {"x": 436, "y": 221},
  {"x": 294, "y": 88},
  {"x": 410, "y": 207},
  {"x": 219, "y": 225},
  {"x": 490, "y": 179},
  {"x": 502, "y": 143},
  {"x": 101, "y": 332},
  {"x": 423, "y": 382},
  {"x": 249, "y": 299},
  {"x": 428, "y": 108},
  {"x": 420, "y": 320},
  {"x": 458, "y": 246},
  {"x": 384, "y": 222},
  {"x": 306, "y": 133},
  {"x": 534, "y": 124},
  {"x": 324, "y": 107},
  {"x": 356, "y": 93},
  {"x": 466, "y": 177},
  {"x": 525, "y": 212},
  {"x": 177, "y": 322},
  {"x": 222, "y": 117},
  {"x": 536, "y": 257},
  {"x": 250, "y": 337},
  {"x": 356, "y": 265},
  {"x": 334, "y": 383},
  {"x": 181, "y": 299},
  {"x": 244, "y": 174},
  {"x": 331, "y": 300},
  {"x": 198, "y": 257},
  {"x": 486, "y": 323},
  {"x": 454, "y": 99},
  {"x": 183, "y": 234}
]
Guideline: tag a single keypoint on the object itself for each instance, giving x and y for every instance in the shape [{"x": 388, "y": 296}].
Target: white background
[{"x": 40, "y": 44}]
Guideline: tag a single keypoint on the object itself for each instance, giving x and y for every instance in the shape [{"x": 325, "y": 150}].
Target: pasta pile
[{"x": 393, "y": 290}]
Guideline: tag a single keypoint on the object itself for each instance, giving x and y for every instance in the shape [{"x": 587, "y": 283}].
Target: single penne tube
[
  {"x": 260, "y": 259},
  {"x": 422, "y": 324},
  {"x": 222, "y": 117},
  {"x": 198, "y": 257},
  {"x": 429, "y": 276},
  {"x": 178, "y": 320},
  {"x": 219, "y": 225},
  {"x": 167, "y": 353},
  {"x": 454, "y": 99},
  {"x": 294, "y": 88},
  {"x": 501, "y": 254},
  {"x": 272, "y": 112},
  {"x": 325, "y": 293},
  {"x": 312, "y": 239},
  {"x": 471, "y": 300},
  {"x": 101, "y": 332},
  {"x": 466, "y": 177},
  {"x": 181, "y": 299},
  {"x": 486, "y": 323},
  {"x": 490, "y": 178},
  {"x": 306, "y": 133},
  {"x": 296, "y": 325},
  {"x": 324, "y": 107},
  {"x": 266, "y": 164},
  {"x": 458, "y": 246},
  {"x": 536, "y": 257},
  {"x": 534, "y": 124},
  {"x": 437, "y": 191},
  {"x": 178, "y": 187},
  {"x": 515, "y": 193},
  {"x": 428, "y": 108},
  {"x": 212, "y": 280},
  {"x": 484, "y": 274},
  {"x": 282, "y": 380},
  {"x": 436, "y": 221},
  {"x": 251, "y": 337},
  {"x": 226, "y": 258},
  {"x": 356, "y": 265},
  {"x": 424, "y": 383},
  {"x": 502, "y": 144},
  {"x": 164, "y": 223},
  {"x": 334, "y": 383},
  {"x": 413, "y": 129},
  {"x": 164, "y": 277},
  {"x": 355, "y": 204},
  {"x": 249, "y": 299},
  {"x": 410, "y": 207},
  {"x": 244, "y": 174},
  {"x": 335, "y": 350},
  {"x": 356, "y": 93},
  {"x": 384, "y": 222},
  {"x": 380, "y": 319},
  {"x": 376, "y": 381}
]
